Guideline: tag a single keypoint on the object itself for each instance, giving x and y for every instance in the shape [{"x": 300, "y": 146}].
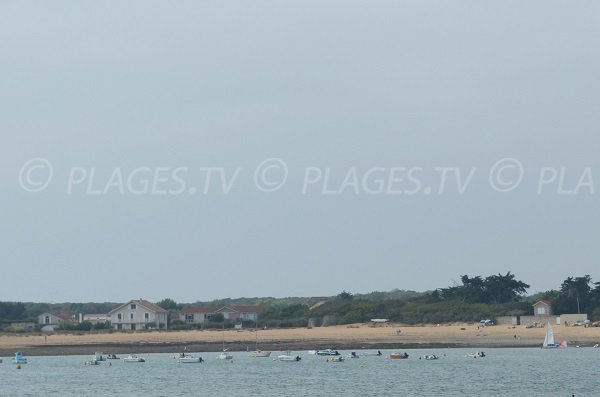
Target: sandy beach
[{"x": 340, "y": 337}]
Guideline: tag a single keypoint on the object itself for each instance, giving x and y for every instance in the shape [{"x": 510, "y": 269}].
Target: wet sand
[{"x": 339, "y": 337}]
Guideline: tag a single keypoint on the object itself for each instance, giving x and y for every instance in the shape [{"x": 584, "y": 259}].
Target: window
[
  {"x": 189, "y": 318},
  {"x": 119, "y": 326},
  {"x": 119, "y": 316},
  {"x": 146, "y": 316},
  {"x": 133, "y": 306},
  {"x": 131, "y": 316},
  {"x": 47, "y": 320}
]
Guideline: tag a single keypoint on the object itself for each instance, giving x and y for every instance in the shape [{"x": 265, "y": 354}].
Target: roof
[
  {"x": 192, "y": 309},
  {"x": 545, "y": 302},
  {"x": 240, "y": 309},
  {"x": 61, "y": 315},
  {"x": 142, "y": 302}
]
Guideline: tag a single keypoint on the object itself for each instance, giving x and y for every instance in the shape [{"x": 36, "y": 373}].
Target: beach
[{"x": 355, "y": 336}]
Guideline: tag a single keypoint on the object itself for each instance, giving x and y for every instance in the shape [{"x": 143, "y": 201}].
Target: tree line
[{"x": 472, "y": 299}]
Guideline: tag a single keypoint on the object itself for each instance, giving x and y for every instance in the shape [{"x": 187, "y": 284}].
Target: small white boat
[
  {"x": 132, "y": 358},
  {"x": 398, "y": 356},
  {"x": 378, "y": 353},
  {"x": 597, "y": 345},
  {"x": 19, "y": 359},
  {"x": 549, "y": 338},
  {"x": 98, "y": 357},
  {"x": 225, "y": 356},
  {"x": 476, "y": 355},
  {"x": 112, "y": 357},
  {"x": 430, "y": 357},
  {"x": 260, "y": 353},
  {"x": 288, "y": 357},
  {"x": 353, "y": 355},
  {"x": 92, "y": 362},
  {"x": 327, "y": 352},
  {"x": 311, "y": 352},
  {"x": 335, "y": 359},
  {"x": 189, "y": 359}
]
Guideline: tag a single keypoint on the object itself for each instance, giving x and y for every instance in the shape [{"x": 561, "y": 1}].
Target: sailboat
[
  {"x": 257, "y": 352},
  {"x": 549, "y": 339},
  {"x": 224, "y": 355}
]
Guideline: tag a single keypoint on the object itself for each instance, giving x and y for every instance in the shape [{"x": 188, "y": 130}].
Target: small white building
[
  {"x": 138, "y": 314},
  {"x": 51, "y": 320}
]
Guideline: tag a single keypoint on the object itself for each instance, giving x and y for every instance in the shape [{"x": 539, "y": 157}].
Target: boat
[
  {"x": 311, "y": 352},
  {"x": 98, "y": 357},
  {"x": 597, "y": 345},
  {"x": 19, "y": 359},
  {"x": 257, "y": 352},
  {"x": 335, "y": 359},
  {"x": 132, "y": 358},
  {"x": 476, "y": 355},
  {"x": 327, "y": 352},
  {"x": 398, "y": 356},
  {"x": 224, "y": 355},
  {"x": 549, "y": 338},
  {"x": 430, "y": 357},
  {"x": 92, "y": 362},
  {"x": 112, "y": 357},
  {"x": 188, "y": 359},
  {"x": 377, "y": 354},
  {"x": 288, "y": 357},
  {"x": 352, "y": 355}
]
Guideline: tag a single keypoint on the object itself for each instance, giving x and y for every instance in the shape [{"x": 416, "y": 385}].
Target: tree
[
  {"x": 345, "y": 295},
  {"x": 168, "y": 304},
  {"x": 578, "y": 290}
]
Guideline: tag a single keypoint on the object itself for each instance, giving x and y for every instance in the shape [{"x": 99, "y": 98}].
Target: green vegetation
[{"x": 475, "y": 298}]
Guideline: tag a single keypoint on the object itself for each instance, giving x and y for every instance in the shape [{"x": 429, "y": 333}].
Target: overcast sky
[{"x": 318, "y": 85}]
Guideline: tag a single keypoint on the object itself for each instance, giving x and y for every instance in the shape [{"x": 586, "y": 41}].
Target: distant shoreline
[{"x": 356, "y": 337}]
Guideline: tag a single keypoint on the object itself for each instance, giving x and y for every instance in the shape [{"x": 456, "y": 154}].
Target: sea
[{"x": 502, "y": 372}]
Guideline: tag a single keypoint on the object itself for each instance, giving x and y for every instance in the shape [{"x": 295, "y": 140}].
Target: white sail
[{"x": 549, "y": 339}]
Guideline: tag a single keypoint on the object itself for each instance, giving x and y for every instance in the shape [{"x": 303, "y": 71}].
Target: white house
[
  {"x": 198, "y": 315},
  {"x": 50, "y": 320},
  {"x": 138, "y": 314}
]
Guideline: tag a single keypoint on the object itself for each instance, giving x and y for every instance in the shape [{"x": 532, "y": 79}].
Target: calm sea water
[{"x": 504, "y": 372}]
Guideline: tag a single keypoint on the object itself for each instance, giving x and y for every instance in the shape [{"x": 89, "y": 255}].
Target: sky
[{"x": 206, "y": 149}]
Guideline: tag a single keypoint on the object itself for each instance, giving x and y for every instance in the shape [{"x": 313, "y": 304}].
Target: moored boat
[
  {"x": 368, "y": 354},
  {"x": 353, "y": 355},
  {"x": 327, "y": 352},
  {"x": 20, "y": 359},
  {"x": 430, "y": 357},
  {"x": 288, "y": 357},
  {"x": 189, "y": 359},
  {"x": 225, "y": 356},
  {"x": 112, "y": 357},
  {"x": 132, "y": 358},
  {"x": 398, "y": 356},
  {"x": 335, "y": 359},
  {"x": 260, "y": 353},
  {"x": 476, "y": 355}
]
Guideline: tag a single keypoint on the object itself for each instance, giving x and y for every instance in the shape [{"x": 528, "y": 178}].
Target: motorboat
[
  {"x": 352, "y": 355},
  {"x": 189, "y": 359},
  {"x": 335, "y": 359},
  {"x": 476, "y": 355},
  {"x": 260, "y": 353},
  {"x": 398, "y": 356},
  {"x": 597, "y": 345},
  {"x": 311, "y": 352},
  {"x": 225, "y": 356},
  {"x": 132, "y": 358},
  {"x": 378, "y": 353},
  {"x": 92, "y": 362},
  {"x": 327, "y": 352},
  {"x": 288, "y": 357},
  {"x": 20, "y": 359},
  {"x": 112, "y": 357},
  {"x": 430, "y": 357},
  {"x": 98, "y": 357}
]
